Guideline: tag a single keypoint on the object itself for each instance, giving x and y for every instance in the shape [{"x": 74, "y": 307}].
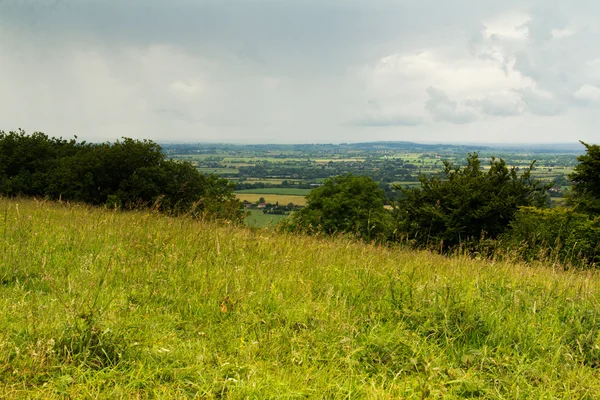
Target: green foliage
[
  {"x": 344, "y": 204},
  {"x": 462, "y": 205},
  {"x": 127, "y": 173},
  {"x": 586, "y": 181},
  {"x": 562, "y": 235}
]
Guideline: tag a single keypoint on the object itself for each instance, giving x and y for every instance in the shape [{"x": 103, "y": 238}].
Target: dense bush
[
  {"x": 345, "y": 204},
  {"x": 127, "y": 173},
  {"x": 461, "y": 205},
  {"x": 559, "y": 234}
]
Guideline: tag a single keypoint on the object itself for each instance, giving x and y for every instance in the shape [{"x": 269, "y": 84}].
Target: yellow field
[{"x": 273, "y": 198}]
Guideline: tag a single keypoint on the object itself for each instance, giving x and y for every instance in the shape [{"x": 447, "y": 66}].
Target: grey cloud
[
  {"x": 543, "y": 105},
  {"x": 442, "y": 108},
  {"x": 499, "y": 106},
  {"x": 105, "y": 65},
  {"x": 557, "y": 64},
  {"x": 380, "y": 120},
  {"x": 546, "y": 17}
]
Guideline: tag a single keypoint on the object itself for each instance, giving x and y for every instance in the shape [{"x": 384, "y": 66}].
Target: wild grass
[
  {"x": 258, "y": 219},
  {"x": 97, "y": 303}
]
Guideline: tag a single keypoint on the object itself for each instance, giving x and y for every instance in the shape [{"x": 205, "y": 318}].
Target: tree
[
  {"x": 127, "y": 173},
  {"x": 344, "y": 204},
  {"x": 462, "y": 205},
  {"x": 585, "y": 181}
]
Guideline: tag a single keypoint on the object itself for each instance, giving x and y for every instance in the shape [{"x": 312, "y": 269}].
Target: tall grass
[{"x": 98, "y": 303}]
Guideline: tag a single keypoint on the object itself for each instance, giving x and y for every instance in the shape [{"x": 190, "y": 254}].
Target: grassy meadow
[
  {"x": 258, "y": 219},
  {"x": 103, "y": 304}
]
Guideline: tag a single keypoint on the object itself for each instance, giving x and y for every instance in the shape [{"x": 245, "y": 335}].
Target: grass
[
  {"x": 271, "y": 198},
  {"x": 106, "y": 304},
  {"x": 257, "y": 218}
]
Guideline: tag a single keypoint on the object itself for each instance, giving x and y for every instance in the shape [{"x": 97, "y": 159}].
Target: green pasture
[
  {"x": 257, "y": 218},
  {"x": 218, "y": 171}
]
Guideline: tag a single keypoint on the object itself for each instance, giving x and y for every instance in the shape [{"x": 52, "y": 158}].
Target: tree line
[
  {"x": 125, "y": 174},
  {"x": 491, "y": 210}
]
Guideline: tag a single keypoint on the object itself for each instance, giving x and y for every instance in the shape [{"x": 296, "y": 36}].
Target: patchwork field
[
  {"x": 272, "y": 198},
  {"x": 288, "y": 191}
]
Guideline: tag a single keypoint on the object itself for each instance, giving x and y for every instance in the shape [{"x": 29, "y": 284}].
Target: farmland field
[
  {"x": 257, "y": 218},
  {"x": 218, "y": 171},
  {"x": 286, "y": 173},
  {"x": 272, "y": 198},
  {"x": 288, "y": 191}
]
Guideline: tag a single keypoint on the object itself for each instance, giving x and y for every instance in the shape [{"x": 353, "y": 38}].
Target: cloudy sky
[{"x": 291, "y": 71}]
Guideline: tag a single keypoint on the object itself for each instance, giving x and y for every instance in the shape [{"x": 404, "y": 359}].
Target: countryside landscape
[
  {"x": 107, "y": 294},
  {"x": 299, "y": 199},
  {"x": 284, "y": 174}
]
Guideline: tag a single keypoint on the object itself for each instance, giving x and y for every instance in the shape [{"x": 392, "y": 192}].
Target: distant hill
[{"x": 530, "y": 148}]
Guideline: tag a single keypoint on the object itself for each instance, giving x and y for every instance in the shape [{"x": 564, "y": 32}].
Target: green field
[
  {"x": 253, "y": 160},
  {"x": 288, "y": 191},
  {"x": 409, "y": 183},
  {"x": 257, "y": 218},
  {"x": 103, "y": 304},
  {"x": 272, "y": 181},
  {"x": 218, "y": 171}
]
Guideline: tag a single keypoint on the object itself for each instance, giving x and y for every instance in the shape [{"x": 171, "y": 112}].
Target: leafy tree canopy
[
  {"x": 346, "y": 204},
  {"x": 461, "y": 205},
  {"x": 127, "y": 173}
]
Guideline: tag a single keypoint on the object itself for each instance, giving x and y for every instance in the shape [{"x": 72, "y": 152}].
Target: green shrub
[
  {"x": 344, "y": 204},
  {"x": 125, "y": 174},
  {"x": 460, "y": 206},
  {"x": 564, "y": 235}
]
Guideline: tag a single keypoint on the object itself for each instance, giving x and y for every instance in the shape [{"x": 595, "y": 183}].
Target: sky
[{"x": 302, "y": 71}]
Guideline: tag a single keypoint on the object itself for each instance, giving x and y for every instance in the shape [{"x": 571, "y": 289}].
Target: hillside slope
[{"x": 136, "y": 305}]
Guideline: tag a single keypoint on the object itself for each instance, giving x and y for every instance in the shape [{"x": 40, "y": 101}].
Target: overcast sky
[{"x": 291, "y": 71}]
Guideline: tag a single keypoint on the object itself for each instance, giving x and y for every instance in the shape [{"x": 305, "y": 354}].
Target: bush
[
  {"x": 344, "y": 204},
  {"x": 125, "y": 174},
  {"x": 563, "y": 235},
  {"x": 460, "y": 206}
]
